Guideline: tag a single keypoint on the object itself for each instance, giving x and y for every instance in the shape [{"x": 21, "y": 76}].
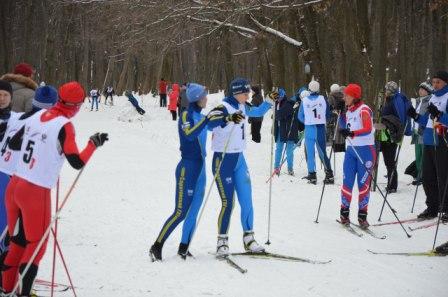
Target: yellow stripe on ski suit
[
  {"x": 223, "y": 197},
  {"x": 187, "y": 129},
  {"x": 179, "y": 205}
]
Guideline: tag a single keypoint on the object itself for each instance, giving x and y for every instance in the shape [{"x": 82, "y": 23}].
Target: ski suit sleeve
[
  {"x": 258, "y": 111},
  {"x": 342, "y": 121},
  {"x": 328, "y": 110},
  {"x": 423, "y": 120},
  {"x": 301, "y": 115},
  {"x": 366, "y": 118},
  {"x": 187, "y": 127},
  {"x": 444, "y": 118},
  {"x": 68, "y": 144},
  {"x": 218, "y": 121}
]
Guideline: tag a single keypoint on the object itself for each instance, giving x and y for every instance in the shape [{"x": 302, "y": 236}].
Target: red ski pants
[{"x": 33, "y": 204}]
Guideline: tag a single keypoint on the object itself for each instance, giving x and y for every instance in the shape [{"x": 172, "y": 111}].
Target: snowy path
[{"x": 126, "y": 193}]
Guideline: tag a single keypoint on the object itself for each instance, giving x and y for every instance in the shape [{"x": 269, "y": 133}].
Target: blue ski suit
[
  {"x": 190, "y": 172},
  {"x": 234, "y": 176},
  {"x": 315, "y": 135},
  {"x": 353, "y": 168}
]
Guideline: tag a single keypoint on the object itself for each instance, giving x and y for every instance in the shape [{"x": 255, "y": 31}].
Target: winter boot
[
  {"x": 183, "y": 251},
  {"x": 444, "y": 218},
  {"x": 329, "y": 177},
  {"x": 156, "y": 252},
  {"x": 250, "y": 244},
  {"x": 345, "y": 216},
  {"x": 291, "y": 172},
  {"x": 362, "y": 219},
  {"x": 390, "y": 190},
  {"x": 427, "y": 214},
  {"x": 311, "y": 177},
  {"x": 442, "y": 249},
  {"x": 222, "y": 249}
]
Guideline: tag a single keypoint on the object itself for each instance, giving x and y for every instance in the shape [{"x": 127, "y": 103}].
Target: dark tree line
[{"x": 132, "y": 43}]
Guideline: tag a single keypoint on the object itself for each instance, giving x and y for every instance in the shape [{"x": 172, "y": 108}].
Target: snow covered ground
[{"x": 127, "y": 191}]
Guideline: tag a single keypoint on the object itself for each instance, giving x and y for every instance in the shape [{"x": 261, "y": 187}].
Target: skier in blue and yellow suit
[
  {"x": 229, "y": 164},
  {"x": 190, "y": 172}
]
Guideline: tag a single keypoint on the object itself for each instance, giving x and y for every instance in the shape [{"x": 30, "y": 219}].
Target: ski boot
[
  {"x": 444, "y": 218},
  {"x": 329, "y": 177},
  {"x": 442, "y": 249},
  {"x": 156, "y": 252},
  {"x": 345, "y": 216},
  {"x": 250, "y": 244},
  {"x": 222, "y": 249},
  {"x": 427, "y": 214},
  {"x": 291, "y": 172},
  {"x": 183, "y": 251},
  {"x": 362, "y": 219},
  {"x": 311, "y": 177}
]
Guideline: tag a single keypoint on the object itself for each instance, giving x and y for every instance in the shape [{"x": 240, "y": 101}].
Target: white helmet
[
  {"x": 313, "y": 86},
  {"x": 334, "y": 88}
]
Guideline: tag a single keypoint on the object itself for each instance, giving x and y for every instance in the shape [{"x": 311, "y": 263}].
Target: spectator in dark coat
[
  {"x": 286, "y": 130},
  {"x": 255, "y": 123},
  {"x": 394, "y": 111}
]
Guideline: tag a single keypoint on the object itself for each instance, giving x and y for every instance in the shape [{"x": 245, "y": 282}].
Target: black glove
[
  {"x": 215, "y": 112},
  {"x": 412, "y": 113},
  {"x": 346, "y": 133},
  {"x": 235, "y": 117},
  {"x": 99, "y": 138},
  {"x": 434, "y": 112}
]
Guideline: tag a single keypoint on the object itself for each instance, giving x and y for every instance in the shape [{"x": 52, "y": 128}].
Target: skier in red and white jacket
[{"x": 45, "y": 141}]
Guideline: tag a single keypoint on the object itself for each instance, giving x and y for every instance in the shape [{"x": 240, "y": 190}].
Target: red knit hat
[
  {"x": 24, "y": 69},
  {"x": 71, "y": 93},
  {"x": 353, "y": 90}
]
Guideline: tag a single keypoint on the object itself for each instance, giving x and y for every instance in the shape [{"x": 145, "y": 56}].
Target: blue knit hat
[
  {"x": 239, "y": 86},
  {"x": 45, "y": 97},
  {"x": 281, "y": 93},
  {"x": 195, "y": 92}
]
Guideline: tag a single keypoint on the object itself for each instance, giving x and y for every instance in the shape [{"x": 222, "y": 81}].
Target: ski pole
[
  {"x": 45, "y": 235},
  {"x": 298, "y": 144},
  {"x": 393, "y": 172},
  {"x": 382, "y": 195},
  {"x": 331, "y": 153},
  {"x": 201, "y": 212},
  {"x": 416, "y": 190},
  {"x": 268, "y": 242},
  {"x": 55, "y": 236},
  {"x": 63, "y": 263}
]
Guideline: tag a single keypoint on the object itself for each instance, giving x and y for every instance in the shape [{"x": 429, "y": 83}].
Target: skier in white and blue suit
[
  {"x": 314, "y": 112},
  {"x": 190, "y": 172},
  {"x": 228, "y": 144}
]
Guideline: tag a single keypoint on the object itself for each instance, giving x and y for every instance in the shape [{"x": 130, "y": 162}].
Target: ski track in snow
[{"x": 127, "y": 192}]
